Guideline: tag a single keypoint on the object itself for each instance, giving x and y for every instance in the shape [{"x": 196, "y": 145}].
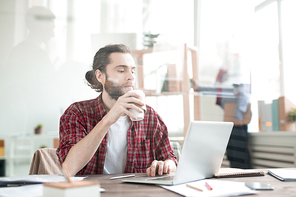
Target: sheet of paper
[
  {"x": 219, "y": 188},
  {"x": 26, "y": 191}
]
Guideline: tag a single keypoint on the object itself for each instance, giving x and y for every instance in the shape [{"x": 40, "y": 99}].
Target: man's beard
[{"x": 115, "y": 91}]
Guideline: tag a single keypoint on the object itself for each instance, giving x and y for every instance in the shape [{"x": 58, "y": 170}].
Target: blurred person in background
[{"x": 233, "y": 86}]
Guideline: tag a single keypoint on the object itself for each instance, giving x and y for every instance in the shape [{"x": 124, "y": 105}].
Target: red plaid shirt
[{"x": 147, "y": 139}]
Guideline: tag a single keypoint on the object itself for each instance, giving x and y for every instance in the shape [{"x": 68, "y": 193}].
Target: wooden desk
[{"x": 118, "y": 188}]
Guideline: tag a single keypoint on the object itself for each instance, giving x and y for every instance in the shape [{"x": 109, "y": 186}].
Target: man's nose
[{"x": 131, "y": 76}]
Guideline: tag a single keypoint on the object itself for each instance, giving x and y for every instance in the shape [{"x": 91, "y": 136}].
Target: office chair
[
  {"x": 45, "y": 161},
  {"x": 177, "y": 149}
]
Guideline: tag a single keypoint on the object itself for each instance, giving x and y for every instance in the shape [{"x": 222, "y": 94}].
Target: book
[
  {"x": 285, "y": 105},
  {"x": 283, "y": 174},
  {"x": 239, "y": 174},
  {"x": 275, "y": 115},
  {"x": 260, "y": 103},
  {"x": 2, "y": 149},
  {"x": 73, "y": 189},
  {"x": 266, "y": 116}
]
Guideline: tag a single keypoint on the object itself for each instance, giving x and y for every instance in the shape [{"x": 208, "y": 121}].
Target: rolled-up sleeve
[{"x": 71, "y": 131}]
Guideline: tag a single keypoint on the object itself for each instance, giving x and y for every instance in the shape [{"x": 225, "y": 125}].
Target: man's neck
[{"x": 108, "y": 101}]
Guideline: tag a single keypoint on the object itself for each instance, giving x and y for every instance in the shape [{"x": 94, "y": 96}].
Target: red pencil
[{"x": 208, "y": 186}]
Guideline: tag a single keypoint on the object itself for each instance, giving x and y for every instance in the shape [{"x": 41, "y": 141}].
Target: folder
[{"x": 283, "y": 174}]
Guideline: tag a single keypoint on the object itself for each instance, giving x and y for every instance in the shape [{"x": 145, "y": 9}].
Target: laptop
[{"x": 202, "y": 154}]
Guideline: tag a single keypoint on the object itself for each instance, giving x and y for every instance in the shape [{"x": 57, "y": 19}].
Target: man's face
[{"x": 120, "y": 75}]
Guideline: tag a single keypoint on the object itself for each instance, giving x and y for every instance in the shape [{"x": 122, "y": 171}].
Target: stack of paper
[{"x": 35, "y": 190}]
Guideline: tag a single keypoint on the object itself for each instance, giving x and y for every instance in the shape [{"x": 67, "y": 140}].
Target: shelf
[
  {"x": 179, "y": 84},
  {"x": 165, "y": 94},
  {"x": 21, "y": 148},
  {"x": 153, "y": 93},
  {"x": 27, "y": 156}
]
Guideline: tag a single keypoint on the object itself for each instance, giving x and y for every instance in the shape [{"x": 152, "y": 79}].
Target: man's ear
[{"x": 100, "y": 76}]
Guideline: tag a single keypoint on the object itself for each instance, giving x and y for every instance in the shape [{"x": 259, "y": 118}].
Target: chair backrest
[
  {"x": 45, "y": 161},
  {"x": 177, "y": 148}
]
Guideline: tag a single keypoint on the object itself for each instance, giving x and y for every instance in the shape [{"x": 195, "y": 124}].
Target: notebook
[
  {"x": 239, "y": 174},
  {"x": 202, "y": 154}
]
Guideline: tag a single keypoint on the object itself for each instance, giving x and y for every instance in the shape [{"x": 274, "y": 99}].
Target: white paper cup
[{"x": 139, "y": 116}]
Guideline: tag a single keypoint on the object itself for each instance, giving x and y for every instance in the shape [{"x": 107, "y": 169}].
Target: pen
[
  {"x": 66, "y": 174},
  {"x": 208, "y": 186},
  {"x": 120, "y": 177},
  {"x": 194, "y": 187}
]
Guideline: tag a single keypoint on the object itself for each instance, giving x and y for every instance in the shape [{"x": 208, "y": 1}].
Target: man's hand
[
  {"x": 160, "y": 167},
  {"x": 123, "y": 104}
]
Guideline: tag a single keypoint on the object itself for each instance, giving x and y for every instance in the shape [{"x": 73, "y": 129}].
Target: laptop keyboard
[{"x": 165, "y": 178}]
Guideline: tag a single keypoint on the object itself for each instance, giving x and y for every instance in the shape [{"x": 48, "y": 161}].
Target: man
[{"x": 99, "y": 136}]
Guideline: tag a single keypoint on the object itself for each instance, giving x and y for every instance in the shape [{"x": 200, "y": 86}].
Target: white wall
[{"x": 37, "y": 82}]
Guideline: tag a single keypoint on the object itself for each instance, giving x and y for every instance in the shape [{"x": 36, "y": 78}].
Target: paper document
[
  {"x": 219, "y": 188},
  {"x": 23, "y": 191}
]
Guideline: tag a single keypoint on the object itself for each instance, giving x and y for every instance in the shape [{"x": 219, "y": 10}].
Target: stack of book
[{"x": 273, "y": 116}]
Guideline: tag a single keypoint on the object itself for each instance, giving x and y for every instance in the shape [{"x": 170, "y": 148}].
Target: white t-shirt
[{"x": 116, "y": 154}]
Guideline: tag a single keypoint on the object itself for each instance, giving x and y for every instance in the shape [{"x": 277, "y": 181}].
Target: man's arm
[
  {"x": 81, "y": 153},
  {"x": 165, "y": 159}
]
